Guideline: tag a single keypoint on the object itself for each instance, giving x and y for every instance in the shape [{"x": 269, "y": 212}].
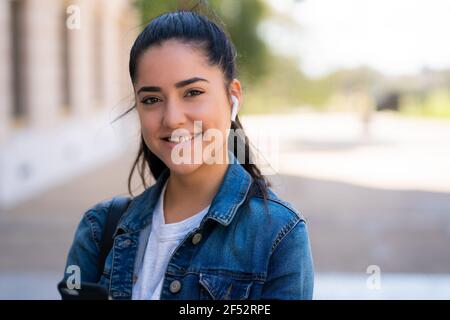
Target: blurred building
[{"x": 64, "y": 69}]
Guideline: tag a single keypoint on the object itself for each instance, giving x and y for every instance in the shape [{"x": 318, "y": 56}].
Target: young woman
[{"x": 210, "y": 227}]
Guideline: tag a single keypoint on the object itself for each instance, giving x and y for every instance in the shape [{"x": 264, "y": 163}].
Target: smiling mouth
[{"x": 180, "y": 139}]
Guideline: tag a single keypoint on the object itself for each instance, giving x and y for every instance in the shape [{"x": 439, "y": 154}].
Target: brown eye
[
  {"x": 194, "y": 93},
  {"x": 150, "y": 100}
]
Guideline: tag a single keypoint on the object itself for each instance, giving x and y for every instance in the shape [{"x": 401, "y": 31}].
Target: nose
[{"x": 173, "y": 115}]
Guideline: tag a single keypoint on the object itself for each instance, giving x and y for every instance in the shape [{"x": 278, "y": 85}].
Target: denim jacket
[{"x": 244, "y": 248}]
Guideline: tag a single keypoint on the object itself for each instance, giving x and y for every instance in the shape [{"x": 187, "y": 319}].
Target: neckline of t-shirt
[{"x": 176, "y": 230}]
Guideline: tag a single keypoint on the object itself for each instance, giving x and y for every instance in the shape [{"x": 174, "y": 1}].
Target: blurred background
[{"x": 356, "y": 92}]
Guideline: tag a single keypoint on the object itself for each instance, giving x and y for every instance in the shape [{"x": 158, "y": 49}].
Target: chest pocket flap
[{"x": 222, "y": 287}]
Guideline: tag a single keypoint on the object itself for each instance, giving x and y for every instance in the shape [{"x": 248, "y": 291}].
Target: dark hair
[{"x": 195, "y": 28}]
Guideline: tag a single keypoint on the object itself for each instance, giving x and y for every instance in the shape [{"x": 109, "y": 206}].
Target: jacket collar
[{"x": 232, "y": 193}]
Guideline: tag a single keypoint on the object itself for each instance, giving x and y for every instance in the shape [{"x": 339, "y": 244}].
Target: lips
[
  {"x": 173, "y": 141},
  {"x": 178, "y": 139}
]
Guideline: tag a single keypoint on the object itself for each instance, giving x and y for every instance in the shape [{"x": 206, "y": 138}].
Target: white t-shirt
[{"x": 162, "y": 241}]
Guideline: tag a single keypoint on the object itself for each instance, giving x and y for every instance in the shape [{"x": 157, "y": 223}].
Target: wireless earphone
[{"x": 235, "y": 107}]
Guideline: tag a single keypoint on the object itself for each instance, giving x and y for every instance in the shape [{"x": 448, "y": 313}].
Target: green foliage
[
  {"x": 435, "y": 103},
  {"x": 285, "y": 87}
]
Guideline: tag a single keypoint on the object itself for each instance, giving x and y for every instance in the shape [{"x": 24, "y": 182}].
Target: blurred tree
[{"x": 284, "y": 87}]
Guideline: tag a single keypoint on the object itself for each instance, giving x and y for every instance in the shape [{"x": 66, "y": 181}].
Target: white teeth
[{"x": 180, "y": 139}]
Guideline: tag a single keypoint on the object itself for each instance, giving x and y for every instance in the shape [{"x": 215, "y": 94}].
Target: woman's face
[{"x": 174, "y": 88}]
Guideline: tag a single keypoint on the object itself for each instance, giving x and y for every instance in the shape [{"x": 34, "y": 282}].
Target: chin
[{"x": 182, "y": 169}]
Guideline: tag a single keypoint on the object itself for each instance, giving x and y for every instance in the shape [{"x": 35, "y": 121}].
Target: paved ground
[{"x": 380, "y": 200}]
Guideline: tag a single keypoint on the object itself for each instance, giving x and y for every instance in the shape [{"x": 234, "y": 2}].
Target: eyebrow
[{"x": 179, "y": 84}]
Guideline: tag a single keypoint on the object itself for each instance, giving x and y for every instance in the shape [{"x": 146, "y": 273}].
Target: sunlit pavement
[
  {"x": 380, "y": 199},
  {"x": 396, "y": 152}
]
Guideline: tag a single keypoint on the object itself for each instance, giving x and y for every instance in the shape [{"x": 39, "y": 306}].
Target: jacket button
[
  {"x": 175, "y": 286},
  {"x": 196, "y": 238}
]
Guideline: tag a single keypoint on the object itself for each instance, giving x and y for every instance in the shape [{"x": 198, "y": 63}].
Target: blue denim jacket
[{"x": 244, "y": 248}]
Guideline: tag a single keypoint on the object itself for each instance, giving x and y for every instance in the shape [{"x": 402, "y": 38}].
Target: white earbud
[{"x": 234, "y": 110}]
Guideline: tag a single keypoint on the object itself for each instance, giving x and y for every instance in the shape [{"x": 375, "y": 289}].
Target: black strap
[{"x": 118, "y": 206}]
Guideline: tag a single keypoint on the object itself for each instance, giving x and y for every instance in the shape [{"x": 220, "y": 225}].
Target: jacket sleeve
[
  {"x": 291, "y": 271},
  {"x": 84, "y": 251}
]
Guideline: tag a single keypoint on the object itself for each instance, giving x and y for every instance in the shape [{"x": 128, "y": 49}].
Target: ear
[{"x": 236, "y": 90}]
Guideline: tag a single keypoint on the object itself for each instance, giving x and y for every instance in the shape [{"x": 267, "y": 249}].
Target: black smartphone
[{"x": 87, "y": 291}]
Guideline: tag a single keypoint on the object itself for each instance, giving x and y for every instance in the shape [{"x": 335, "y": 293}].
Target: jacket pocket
[{"x": 221, "y": 287}]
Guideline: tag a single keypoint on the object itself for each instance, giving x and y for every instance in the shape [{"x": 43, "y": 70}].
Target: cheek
[
  {"x": 217, "y": 121},
  {"x": 214, "y": 114},
  {"x": 149, "y": 125}
]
